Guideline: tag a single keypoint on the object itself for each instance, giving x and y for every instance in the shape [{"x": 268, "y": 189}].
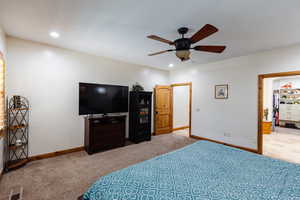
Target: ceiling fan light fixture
[{"x": 183, "y": 55}]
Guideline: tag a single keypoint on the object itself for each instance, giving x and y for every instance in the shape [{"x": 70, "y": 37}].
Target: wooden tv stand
[{"x": 104, "y": 133}]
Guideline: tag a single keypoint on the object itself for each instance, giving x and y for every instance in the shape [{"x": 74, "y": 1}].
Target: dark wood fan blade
[
  {"x": 154, "y": 37},
  {"x": 160, "y": 52},
  {"x": 204, "y": 32},
  {"x": 212, "y": 49}
]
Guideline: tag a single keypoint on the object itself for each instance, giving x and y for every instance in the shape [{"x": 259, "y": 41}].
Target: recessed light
[
  {"x": 54, "y": 34},
  {"x": 171, "y": 65}
]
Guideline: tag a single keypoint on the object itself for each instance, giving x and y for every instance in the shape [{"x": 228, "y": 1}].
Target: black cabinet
[
  {"x": 104, "y": 133},
  {"x": 140, "y": 116}
]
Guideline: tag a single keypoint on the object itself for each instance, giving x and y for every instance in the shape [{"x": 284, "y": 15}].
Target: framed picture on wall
[{"x": 221, "y": 91}]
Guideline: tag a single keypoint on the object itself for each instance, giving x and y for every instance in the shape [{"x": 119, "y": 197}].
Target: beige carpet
[
  {"x": 283, "y": 144},
  {"x": 184, "y": 132},
  {"x": 67, "y": 177}
]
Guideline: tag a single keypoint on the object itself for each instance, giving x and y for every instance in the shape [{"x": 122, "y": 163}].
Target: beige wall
[
  {"x": 49, "y": 77},
  {"x": 234, "y": 120}
]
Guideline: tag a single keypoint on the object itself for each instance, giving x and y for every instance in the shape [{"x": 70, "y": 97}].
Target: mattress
[{"x": 202, "y": 171}]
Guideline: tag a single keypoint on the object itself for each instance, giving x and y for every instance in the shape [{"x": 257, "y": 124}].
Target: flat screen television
[{"x": 102, "y": 99}]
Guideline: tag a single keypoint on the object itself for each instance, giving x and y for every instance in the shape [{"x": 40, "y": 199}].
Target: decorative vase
[
  {"x": 137, "y": 87},
  {"x": 17, "y": 101}
]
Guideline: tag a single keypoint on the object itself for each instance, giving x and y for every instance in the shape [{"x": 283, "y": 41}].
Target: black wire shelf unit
[{"x": 17, "y": 132}]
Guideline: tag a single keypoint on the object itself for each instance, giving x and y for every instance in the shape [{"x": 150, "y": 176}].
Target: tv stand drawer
[{"x": 107, "y": 120}]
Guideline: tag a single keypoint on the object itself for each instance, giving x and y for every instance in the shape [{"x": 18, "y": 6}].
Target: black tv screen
[{"x": 102, "y": 99}]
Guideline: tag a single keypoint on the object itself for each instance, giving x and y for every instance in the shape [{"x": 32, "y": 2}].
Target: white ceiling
[{"x": 118, "y": 28}]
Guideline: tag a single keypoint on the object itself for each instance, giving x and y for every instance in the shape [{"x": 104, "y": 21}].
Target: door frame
[
  {"x": 261, "y": 78},
  {"x": 189, "y": 84}
]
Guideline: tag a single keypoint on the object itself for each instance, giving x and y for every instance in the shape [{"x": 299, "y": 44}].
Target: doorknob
[{"x": 156, "y": 112}]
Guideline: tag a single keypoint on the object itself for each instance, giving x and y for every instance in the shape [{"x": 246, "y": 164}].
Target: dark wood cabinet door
[{"x": 105, "y": 133}]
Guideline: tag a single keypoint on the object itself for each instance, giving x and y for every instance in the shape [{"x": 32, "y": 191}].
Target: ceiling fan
[{"x": 183, "y": 45}]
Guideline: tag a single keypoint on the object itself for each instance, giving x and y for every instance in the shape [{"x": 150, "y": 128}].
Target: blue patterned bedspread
[{"x": 202, "y": 171}]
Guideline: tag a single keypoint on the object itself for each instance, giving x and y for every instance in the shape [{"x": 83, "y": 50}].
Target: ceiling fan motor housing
[{"x": 182, "y": 44}]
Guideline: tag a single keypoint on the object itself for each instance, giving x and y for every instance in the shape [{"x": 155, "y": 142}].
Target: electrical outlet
[{"x": 226, "y": 134}]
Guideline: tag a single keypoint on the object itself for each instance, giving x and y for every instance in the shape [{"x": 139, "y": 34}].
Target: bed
[{"x": 201, "y": 171}]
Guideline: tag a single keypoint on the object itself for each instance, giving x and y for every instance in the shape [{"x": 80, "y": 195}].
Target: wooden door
[{"x": 163, "y": 110}]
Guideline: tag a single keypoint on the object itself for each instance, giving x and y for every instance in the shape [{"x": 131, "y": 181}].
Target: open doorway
[
  {"x": 182, "y": 108},
  {"x": 279, "y": 126},
  {"x": 169, "y": 118}
]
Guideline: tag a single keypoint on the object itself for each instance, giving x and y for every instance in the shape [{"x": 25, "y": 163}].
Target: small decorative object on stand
[
  {"x": 137, "y": 87},
  {"x": 266, "y": 113},
  {"x": 17, "y": 101},
  {"x": 17, "y": 132}
]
